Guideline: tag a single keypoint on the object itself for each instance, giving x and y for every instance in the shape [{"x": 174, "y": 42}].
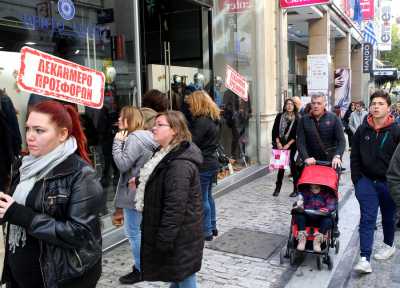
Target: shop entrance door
[{"x": 176, "y": 44}]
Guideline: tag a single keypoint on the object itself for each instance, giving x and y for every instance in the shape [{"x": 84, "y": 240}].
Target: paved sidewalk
[
  {"x": 250, "y": 207},
  {"x": 384, "y": 273}
]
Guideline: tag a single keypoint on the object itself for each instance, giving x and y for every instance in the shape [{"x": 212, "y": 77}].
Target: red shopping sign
[
  {"x": 50, "y": 76},
  {"x": 236, "y": 83},
  {"x": 299, "y": 3}
]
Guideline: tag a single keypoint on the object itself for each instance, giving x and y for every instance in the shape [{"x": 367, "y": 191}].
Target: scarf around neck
[
  {"x": 32, "y": 170},
  {"x": 145, "y": 173},
  {"x": 285, "y": 121}
]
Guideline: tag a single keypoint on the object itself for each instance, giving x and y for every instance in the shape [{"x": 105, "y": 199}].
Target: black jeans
[{"x": 324, "y": 223}]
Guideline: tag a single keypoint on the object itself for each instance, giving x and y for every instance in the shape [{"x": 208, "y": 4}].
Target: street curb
[
  {"x": 239, "y": 179},
  {"x": 342, "y": 274}
]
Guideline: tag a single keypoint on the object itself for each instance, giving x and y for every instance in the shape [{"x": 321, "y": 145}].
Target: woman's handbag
[{"x": 280, "y": 159}]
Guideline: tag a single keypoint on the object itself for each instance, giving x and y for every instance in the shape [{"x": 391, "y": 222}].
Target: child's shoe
[
  {"x": 302, "y": 240},
  {"x": 318, "y": 240}
]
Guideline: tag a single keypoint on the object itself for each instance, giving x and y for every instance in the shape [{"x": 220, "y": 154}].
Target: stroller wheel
[
  {"x": 319, "y": 262},
  {"x": 292, "y": 257},
  {"x": 337, "y": 246},
  {"x": 329, "y": 262}
]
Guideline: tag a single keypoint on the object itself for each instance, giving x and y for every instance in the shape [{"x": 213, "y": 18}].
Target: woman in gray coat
[{"x": 132, "y": 147}]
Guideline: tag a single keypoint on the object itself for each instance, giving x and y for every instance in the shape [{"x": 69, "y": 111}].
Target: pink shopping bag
[{"x": 280, "y": 159}]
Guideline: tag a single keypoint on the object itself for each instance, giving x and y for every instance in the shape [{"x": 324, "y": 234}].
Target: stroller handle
[{"x": 323, "y": 163}]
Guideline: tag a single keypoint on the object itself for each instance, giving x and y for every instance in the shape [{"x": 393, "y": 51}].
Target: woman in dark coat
[
  {"x": 205, "y": 132},
  {"x": 53, "y": 235},
  {"x": 284, "y": 137},
  {"x": 169, "y": 196}
]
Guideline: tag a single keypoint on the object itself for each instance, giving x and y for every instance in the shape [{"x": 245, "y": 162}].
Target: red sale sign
[
  {"x": 54, "y": 77},
  {"x": 300, "y": 3},
  {"x": 236, "y": 83}
]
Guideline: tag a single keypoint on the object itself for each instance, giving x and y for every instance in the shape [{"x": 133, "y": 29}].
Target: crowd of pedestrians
[
  {"x": 373, "y": 136},
  {"x": 51, "y": 197}
]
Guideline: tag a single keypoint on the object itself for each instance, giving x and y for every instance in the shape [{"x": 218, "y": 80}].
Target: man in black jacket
[
  {"x": 320, "y": 135},
  {"x": 373, "y": 146}
]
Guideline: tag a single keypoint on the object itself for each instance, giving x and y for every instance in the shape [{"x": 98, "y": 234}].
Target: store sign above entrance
[
  {"x": 300, "y": 3},
  {"x": 50, "y": 76},
  {"x": 236, "y": 83},
  {"x": 235, "y": 6}
]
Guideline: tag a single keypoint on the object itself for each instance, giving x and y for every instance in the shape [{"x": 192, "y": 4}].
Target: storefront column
[
  {"x": 319, "y": 43},
  {"x": 319, "y": 35},
  {"x": 343, "y": 52},
  {"x": 356, "y": 75},
  {"x": 268, "y": 88}
]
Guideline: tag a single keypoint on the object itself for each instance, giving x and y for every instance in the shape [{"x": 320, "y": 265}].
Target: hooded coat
[
  {"x": 372, "y": 149},
  {"x": 130, "y": 156},
  {"x": 172, "y": 232}
]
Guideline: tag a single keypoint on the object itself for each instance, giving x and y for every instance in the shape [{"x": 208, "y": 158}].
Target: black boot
[
  {"x": 294, "y": 193},
  {"x": 132, "y": 277},
  {"x": 277, "y": 189}
]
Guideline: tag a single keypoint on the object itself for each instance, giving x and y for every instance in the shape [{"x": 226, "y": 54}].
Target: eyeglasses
[{"x": 158, "y": 125}]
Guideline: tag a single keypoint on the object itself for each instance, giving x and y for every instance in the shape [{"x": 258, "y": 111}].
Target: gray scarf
[
  {"x": 32, "y": 170},
  {"x": 283, "y": 125}
]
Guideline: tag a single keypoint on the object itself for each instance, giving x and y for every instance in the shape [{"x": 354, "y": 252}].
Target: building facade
[{"x": 160, "y": 44}]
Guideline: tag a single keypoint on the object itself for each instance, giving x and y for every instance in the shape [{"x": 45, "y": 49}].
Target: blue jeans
[
  {"x": 371, "y": 195},
  {"x": 188, "y": 282},
  {"x": 209, "y": 214},
  {"x": 132, "y": 221}
]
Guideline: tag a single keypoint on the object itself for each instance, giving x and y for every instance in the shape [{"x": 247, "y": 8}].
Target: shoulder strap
[
  {"x": 317, "y": 135},
  {"x": 290, "y": 129}
]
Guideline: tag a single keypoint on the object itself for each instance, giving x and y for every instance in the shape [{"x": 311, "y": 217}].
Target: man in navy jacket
[{"x": 373, "y": 146}]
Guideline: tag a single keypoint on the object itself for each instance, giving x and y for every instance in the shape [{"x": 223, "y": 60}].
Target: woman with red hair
[{"x": 53, "y": 237}]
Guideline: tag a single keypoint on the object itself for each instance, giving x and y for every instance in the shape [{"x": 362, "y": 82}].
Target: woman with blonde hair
[
  {"x": 133, "y": 146},
  {"x": 169, "y": 195},
  {"x": 205, "y": 131}
]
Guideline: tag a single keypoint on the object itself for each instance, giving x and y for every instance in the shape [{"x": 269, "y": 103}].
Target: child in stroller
[
  {"x": 314, "y": 215},
  {"x": 318, "y": 203}
]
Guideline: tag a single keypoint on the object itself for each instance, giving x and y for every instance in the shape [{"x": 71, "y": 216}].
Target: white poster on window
[{"x": 318, "y": 73}]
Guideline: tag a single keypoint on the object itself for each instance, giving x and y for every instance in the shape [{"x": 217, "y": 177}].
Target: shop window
[
  {"x": 97, "y": 34},
  {"x": 235, "y": 45}
]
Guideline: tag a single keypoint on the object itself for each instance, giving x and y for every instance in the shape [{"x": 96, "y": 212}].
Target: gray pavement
[
  {"x": 252, "y": 207},
  {"x": 385, "y": 273}
]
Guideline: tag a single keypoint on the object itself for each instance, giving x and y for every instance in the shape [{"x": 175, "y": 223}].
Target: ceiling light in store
[
  {"x": 1, "y": 47},
  {"x": 77, "y": 51},
  {"x": 30, "y": 43}
]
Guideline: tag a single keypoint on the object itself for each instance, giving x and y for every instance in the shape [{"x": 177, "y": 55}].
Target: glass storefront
[
  {"x": 179, "y": 40},
  {"x": 234, "y": 44},
  {"x": 97, "y": 34}
]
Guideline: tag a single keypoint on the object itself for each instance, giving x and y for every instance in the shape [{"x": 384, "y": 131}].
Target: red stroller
[{"x": 328, "y": 178}]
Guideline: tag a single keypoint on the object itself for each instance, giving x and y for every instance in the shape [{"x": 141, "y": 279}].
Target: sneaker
[
  {"x": 131, "y": 278},
  {"x": 318, "y": 239},
  {"x": 302, "y": 240},
  {"x": 363, "y": 266},
  {"x": 385, "y": 252},
  {"x": 215, "y": 232}
]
